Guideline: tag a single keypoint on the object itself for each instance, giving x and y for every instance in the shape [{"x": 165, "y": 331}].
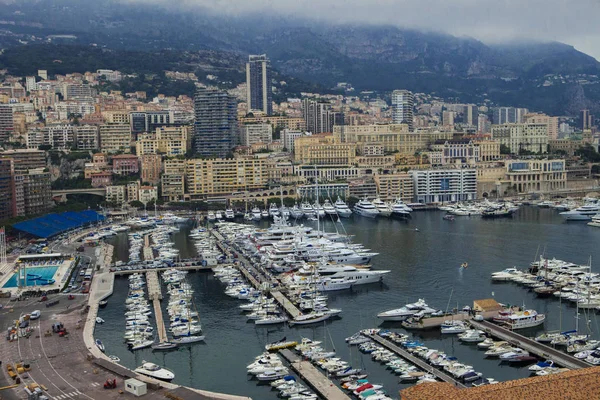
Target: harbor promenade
[
  {"x": 414, "y": 360},
  {"x": 533, "y": 347},
  {"x": 313, "y": 377}
]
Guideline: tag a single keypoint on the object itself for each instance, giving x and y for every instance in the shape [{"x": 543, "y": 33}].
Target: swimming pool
[{"x": 36, "y": 276}]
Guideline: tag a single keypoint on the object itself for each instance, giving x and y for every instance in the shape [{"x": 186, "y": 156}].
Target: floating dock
[
  {"x": 287, "y": 305},
  {"x": 440, "y": 374},
  {"x": 155, "y": 295},
  {"x": 148, "y": 253},
  {"x": 539, "y": 349},
  {"x": 320, "y": 383}
]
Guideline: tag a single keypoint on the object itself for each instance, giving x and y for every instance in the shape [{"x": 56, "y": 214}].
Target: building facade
[
  {"x": 125, "y": 164},
  {"x": 215, "y": 127},
  {"x": 443, "y": 185},
  {"x": 209, "y": 177},
  {"x": 391, "y": 187},
  {"x": 256, "y": 133},
  {"x": 319, "y": 116},
  {"x": 323, "y": 149},
  {"x": 531, "y": 176},
  {"x": 115, "y": 138},
  {"x": 151, "y": 165},
  {"x": 258, "y": 84},
  {"x": 403, "y": 103},
  {"x": 522, "y": 137}
]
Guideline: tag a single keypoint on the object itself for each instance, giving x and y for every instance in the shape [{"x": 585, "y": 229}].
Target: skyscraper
[
  {"x": 258, "y": 84},
  {"x": 6, "y": 123},
  {"x": 215, "y": 127},
  {"x": 587, "y": 119},
  {"x": 319, "y": 116},
  {"x": 402, "y": 107}
]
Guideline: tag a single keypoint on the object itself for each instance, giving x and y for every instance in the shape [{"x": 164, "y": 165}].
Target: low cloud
[{"x": 492, "y": 21}]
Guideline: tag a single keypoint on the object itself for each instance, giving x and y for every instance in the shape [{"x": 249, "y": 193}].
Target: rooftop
[{"x": 580, "y": 384}]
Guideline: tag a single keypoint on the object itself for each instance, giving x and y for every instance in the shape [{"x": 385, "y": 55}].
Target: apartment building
[
  {"x": 391, "y": 187},
  {"x": 550, "y": 122},
  {"x": 116, "y": 117},
  {"x": 151, "y": 165},
  {"x": 224, "y": 176},
  {"x": 293, "y": 123},
  {"x": 115, "y": 137},
  {"x": 116, "y": 194},
  {"x": 442, "y": 185},
  {"x": 125, "y": 164},
  {"x": 256, "y": 133},
  {"x": 26, "y": 159},
  {"x": 522, "y": 137},
  {"x": 87, "y": 137},
  {"x": 148, "y": 194},
  {"x": 170, "y": 141},
  {"x": 7, "y": 189},
  {"x": 59, "y": 136}
]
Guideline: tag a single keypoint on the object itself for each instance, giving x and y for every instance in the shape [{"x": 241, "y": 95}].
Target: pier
[
  {"x": 155, "y": 295},
  {"x": 287, "y": 305},
  {"x": 533, "y": 347},
  {"x": 440, "y": 374},
  {"x": 148, "y": 253},
  {"x": 313, "y": 377}
]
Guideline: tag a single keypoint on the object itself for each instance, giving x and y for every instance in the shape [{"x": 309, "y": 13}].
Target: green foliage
[
  {"x": 71, "y": 183},
  {"x": 137, "y": 204},
  {"x": 504, "y": 149},
  {"x": 588, "y": 153},
  {"x": 77, "y": 155}
]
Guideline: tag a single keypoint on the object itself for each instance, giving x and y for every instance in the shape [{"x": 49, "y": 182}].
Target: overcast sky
[{"x": 575, "y": 22}]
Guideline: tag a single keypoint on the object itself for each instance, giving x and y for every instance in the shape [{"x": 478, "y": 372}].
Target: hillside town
[{"x": 63, "y": 135}]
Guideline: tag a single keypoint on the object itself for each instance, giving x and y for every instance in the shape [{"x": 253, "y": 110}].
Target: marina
[
  {"x": 416, "y": 272},
  {"x": 316, "y": 380}
]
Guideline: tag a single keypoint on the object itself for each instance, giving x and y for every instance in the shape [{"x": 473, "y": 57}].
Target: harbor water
[{"x": 424, "y": 255}]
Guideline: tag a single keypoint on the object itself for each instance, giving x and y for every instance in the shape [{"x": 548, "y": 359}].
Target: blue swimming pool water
[{"x": 44, "y": 273}]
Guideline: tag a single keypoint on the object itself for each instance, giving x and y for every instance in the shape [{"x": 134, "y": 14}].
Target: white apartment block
[{"x": 443, "y": 185}]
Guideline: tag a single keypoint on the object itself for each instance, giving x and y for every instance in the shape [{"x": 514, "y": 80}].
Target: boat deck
[
  {"x": 440, "y": 374},
  {"x": 530, "y": 345},
  {"x": 324, "y": 387}
]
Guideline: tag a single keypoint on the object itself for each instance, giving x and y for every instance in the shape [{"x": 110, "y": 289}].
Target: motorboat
[
  {"x": 400, "y": 210},
  {"x": 318, "y": 209},
  {"x": 472, "y": 336},
  {"x": 99, "y": 320},
  {"x": 384, "y": 209},
  {"x": 329, "y": 208},
  {"x": 219, "y": 215},
  {"x": 310, "y": 318},
  {"x": 99, "y": 345},
  {"x": 366, "y": 209},
  {"x": 342, "y": 208},
  {"x": 524, "y": 319},
  {"x": 595, "y": 221},
  {"x": 583, "y": 213},
  {"x": 188, "y": 339},
  {"x": 256, "y": 214},
  {"x": 514, "y": 353},
  {"x": 155, "y": 371},
  {"x": 273, "y": 210},
  {"x": 506, "y": 274},
  {"x": 541, "y": 365},
  {"x": 229, "y": 214},
  {"x": 402, "y": 313},
  {"x": 452, "y": 327},
  {"x": 211, "y": 216},
  {"x": 296, "y": 212}
]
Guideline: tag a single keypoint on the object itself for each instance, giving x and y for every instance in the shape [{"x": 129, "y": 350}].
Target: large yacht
[
  {"x": 384, "y": 209},
  {"x": 366, "y": 209},
  {"x": 595, "y": 221},
  {"x": 361, "y": 276},
  {"x": 307, "y": 209},
  {"x": 400, "y": 210},
  {"x": 273, "y": 210},
  {"x": 319, "y": 209},
  {"x": 256, "y": 214},
  {"x": 296, "y": 212},
  {"x": 229, "y": 214},
  {"x": 342, "y": 208},
  {"x": 329, "y": 208},
  {"x": 582, "y": 213}
]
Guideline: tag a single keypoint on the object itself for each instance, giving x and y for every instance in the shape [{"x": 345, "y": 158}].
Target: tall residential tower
[
  {"x": 402, "y": 107},
  {"x": 258, "y": 84},
  {"x": 215, "y": 128}
]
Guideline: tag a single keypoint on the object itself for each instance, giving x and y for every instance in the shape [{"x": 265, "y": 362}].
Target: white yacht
[
  {"x": 256, "y": 215},
  {"x": 229, "y": 214},
  {"x": 582, "y": 213},
  {"x": 265, "y": 213},
  {"x": 155, "y": 371},
  {"x": 273, "y": 210},
  {"x": 211, "y": 216},
  {"x": 296, "y": 212},
  {"x": 595, "y": 221},
  {"x": 307, "y": 209},
  {"x": 384, "y": 209},
  {"x": 366, "y": 209},
  {"x": 319, "y": 210},
  {"x": 219, "y": 215},
  {"x": 400, "y": 210},
  {"x": 360, "y": 276},
  {"x": 342, "y": 208},
  {"x": 329, "y": 208},
  {"x": 402, "y": 313},
  {"x": 525, "y": 319}
]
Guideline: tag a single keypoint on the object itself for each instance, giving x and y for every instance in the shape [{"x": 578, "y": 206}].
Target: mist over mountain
[{"x": 551, "y": 77}]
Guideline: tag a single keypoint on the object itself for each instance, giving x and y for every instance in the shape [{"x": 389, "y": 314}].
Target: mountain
[{"x": 551, "y": 77}]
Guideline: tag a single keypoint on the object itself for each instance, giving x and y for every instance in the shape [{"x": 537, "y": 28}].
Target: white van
[{"x": 35, "y": 314}]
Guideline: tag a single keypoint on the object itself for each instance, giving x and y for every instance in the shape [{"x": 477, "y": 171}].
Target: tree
[
  {"x": 588, "y": 153},
  {"x": 504, "y": 149},
  {"x": 136, "y": 204}
]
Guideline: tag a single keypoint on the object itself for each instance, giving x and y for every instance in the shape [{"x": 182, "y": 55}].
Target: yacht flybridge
[{"x": 366, "y": 209}]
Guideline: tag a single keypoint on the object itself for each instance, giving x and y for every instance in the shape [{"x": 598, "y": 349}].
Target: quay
[
  {"x": 155, "y": 294},
  {"x": 287, "y": 305},
  {"x": 182, "y": 267},
  {"x": 148, "y": 253},
  {"x": 436, "y": 322},
  {"x": 440, "y": 374},
  {"x": 530, "y": 345},
  {"x": 315, "y": 379}
]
